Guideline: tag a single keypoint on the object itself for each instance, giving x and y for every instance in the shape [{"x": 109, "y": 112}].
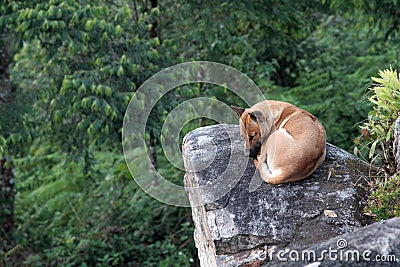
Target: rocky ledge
[{"x": 241, "y": 221}]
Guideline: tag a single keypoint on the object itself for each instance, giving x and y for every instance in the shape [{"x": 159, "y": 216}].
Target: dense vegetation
[
  {"x": 380, "y": 138},
  {"x": 68, "y": 69}
]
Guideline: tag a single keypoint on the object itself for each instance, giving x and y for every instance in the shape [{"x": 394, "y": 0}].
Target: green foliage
[
  {"x": 378, "y": 131},
  {"x": 80, "y": 64},
  {"x": 375, "y": 13},
  {"x": 333, "y": 79},
  {"x": 258, "y": 38},
  {"x": 384, "y": 200},
  {"x": 74, "y": 65},
  {"x": 111, "y": 223},
  {"x": 377, "y": 140},
  {"x": 83, "y": 62}
]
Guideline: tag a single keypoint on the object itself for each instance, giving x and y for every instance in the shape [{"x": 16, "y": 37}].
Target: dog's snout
[
  {"x": 255, "y": 150},
  {"x": 253, "y": 153}
]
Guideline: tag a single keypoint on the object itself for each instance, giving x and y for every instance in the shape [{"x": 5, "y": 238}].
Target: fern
[{"x": 377, "y": 139}]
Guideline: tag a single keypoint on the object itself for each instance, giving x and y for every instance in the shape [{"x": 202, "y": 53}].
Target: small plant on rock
[{"x": 379, "y": 141}]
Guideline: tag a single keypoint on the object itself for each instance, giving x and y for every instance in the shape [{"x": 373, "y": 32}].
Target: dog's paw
[{"x": 256, "y": 163}]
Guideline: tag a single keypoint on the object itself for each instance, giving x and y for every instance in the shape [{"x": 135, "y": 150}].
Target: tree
[
  {"x": 74, "y": 65},
  {"x": 257, "y": 37},
  {"x": 11, "y": 131},
  {"x": 382, "y": 15},
  {"x": 85, "y": 69}
]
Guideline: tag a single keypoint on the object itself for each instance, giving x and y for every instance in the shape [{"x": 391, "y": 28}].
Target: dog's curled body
[{"x": 286, "y": 142}]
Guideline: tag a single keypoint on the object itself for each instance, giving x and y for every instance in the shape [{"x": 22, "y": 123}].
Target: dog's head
[{"x": 251, "y": 130}]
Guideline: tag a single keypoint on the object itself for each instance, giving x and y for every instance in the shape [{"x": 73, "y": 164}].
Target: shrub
[{"x": 376, "y": 141}]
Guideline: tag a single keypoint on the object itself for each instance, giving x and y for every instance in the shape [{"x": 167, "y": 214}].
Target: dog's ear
[
  {"x": 238, "y": 110},
  {"x": 260, "y": 118},
  {"x": 257, "y": 116}
]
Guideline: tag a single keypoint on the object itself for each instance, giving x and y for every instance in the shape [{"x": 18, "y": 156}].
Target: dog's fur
[{"x": 286, "y": 142}]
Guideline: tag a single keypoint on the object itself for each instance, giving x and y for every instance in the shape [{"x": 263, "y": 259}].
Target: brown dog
[{"x": 286, "y": 142}]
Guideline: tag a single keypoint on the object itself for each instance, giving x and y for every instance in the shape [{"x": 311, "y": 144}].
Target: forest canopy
[{"x": 69, "y": 68}]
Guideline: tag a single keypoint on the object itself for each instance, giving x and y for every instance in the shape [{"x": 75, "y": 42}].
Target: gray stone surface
[
  {"x": 377, "y": 244},
  {"x": 237, "y": 216}
]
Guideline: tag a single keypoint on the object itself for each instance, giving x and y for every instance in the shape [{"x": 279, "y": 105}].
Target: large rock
[{"x": 237, "y": 216}]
